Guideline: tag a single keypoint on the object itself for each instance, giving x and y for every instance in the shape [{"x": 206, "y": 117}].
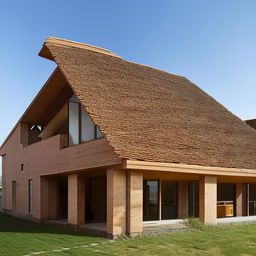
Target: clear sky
[{"x": 213, "y": 43}]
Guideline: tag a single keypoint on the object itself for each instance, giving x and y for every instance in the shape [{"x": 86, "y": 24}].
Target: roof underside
[
  {"x": 147, "y": 114},
  {"x": 252, "y": 123}
]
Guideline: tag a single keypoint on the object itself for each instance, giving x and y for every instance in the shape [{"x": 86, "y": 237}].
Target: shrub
[{"x": 193, "y": 223}]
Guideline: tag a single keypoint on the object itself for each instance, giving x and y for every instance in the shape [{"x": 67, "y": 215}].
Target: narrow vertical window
[
  {"x": 30, "y": 197},
  {"x": 87, "y": 127},
  {"x": 73, "y": 123}
]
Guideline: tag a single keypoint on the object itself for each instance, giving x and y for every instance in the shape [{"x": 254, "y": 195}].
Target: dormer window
[{"x": 81, "y": 127}]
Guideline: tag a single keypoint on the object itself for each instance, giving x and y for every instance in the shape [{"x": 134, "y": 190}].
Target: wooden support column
[
  {"x": 116, "y": 202},
  {"x": 135, "y": 202},
  {"x": 183, "y": 200},
  {"x": 208, "y": 199},
  {"x": 76, "y": 199},
  {"x": 239, "y": 199}
]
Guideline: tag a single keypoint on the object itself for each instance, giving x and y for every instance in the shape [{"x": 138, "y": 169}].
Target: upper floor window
[{"x": 81, "y": 127}]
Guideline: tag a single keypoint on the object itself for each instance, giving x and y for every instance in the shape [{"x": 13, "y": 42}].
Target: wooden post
[
  {"x": 135, "y": 202},
  {"x": 208, "y": 199},
  {"x": 239, "y": 199},
  {"x": 76, "y": 199},
  {"x": 116, "y": 202}
]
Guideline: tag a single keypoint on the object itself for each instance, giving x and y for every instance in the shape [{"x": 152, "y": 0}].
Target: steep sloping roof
[{"x": 148, "y": 114}]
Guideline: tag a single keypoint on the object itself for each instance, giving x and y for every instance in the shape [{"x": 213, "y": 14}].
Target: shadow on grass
[{"x": 9, "y": 223}]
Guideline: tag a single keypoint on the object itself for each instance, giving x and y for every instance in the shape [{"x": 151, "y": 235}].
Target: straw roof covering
[{"x": 151, "y": 115}]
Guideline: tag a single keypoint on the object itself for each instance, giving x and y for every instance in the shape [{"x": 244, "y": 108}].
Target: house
[{"x": 112, "y": 145}]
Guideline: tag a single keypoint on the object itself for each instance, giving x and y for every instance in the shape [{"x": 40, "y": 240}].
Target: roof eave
[
  {"x": 45, "y": 53},
  {"x": 186, "y": 168}
]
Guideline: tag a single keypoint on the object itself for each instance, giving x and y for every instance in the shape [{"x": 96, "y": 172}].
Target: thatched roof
[{"x": 148, "y": 114}]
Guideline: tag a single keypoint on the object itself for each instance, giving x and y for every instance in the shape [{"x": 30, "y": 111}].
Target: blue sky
[{"x": 213, "y": 43}]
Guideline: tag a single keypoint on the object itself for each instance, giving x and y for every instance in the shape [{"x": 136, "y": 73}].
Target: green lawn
[{"x": 19, "y": 237}]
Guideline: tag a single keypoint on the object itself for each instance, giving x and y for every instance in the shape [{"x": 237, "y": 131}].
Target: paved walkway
[
  {"x": 236, "y": 220},
  {"x": 99, "y": 229}
]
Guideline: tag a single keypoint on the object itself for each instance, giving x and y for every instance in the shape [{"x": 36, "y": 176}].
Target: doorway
[
  {"x": 150, "y": 200},
  {"x": 62, "y": 210},
  {"x": 159, "y": 200},
  {"x": 96, "y": 200},
  {"x": 169, "y": 198}
]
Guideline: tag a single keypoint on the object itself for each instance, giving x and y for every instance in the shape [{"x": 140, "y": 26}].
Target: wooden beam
[{"x": 183, "y": 168}]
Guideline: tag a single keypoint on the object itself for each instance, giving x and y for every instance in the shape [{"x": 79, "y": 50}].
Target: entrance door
[
  {"x": 168, "y": 200},
  {"x": 193, "y": 199},
  {"x": 14, "y": 196},
  {"x": 251, "y": 199},
  {"x": 150, "y": 200}
]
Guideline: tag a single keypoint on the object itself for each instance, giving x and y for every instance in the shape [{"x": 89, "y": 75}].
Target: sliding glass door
[
  {"x": 150, "y": 200},
  {"x": 168, "y": 200},
  {"x": 159, "y": 200}
]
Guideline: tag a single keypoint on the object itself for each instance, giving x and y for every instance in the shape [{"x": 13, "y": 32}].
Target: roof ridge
[{"x": 69, "y": 43}]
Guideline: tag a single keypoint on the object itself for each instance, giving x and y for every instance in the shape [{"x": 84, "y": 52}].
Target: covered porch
[{"x": 130, "y": 200}]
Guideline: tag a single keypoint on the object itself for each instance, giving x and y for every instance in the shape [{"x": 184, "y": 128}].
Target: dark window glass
[
  {"x": 168, "y": 200},
  {"x": 30, "y": 192},
  {"x": 226, "y": 202},
  {"x": 151, "y": 200},
  {"x": 193, "y": 199},
  {"x": 252, "y": 199}
]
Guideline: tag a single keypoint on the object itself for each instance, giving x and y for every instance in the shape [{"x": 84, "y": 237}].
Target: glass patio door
[
  {"x": 156, "y": 205},
  {"x": 251, "y": 199},
  {"x": 168, "y": 200},
  {"x": 150, "y": 200}
]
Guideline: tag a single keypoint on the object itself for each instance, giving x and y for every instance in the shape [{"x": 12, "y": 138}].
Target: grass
[{"x": 19, "y": 237}]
